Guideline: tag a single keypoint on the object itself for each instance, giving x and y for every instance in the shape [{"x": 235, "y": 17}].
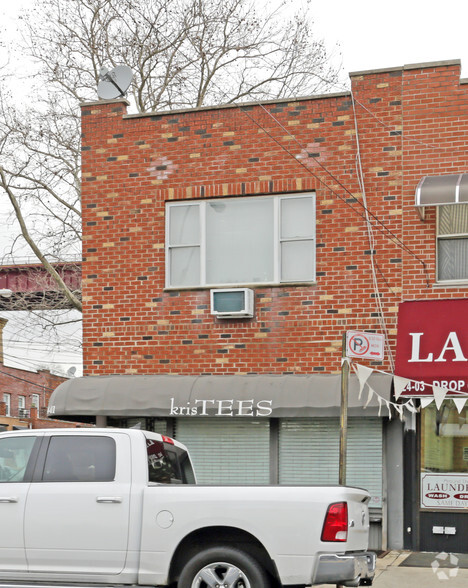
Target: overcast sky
[
  {"x": 376, "y": 35},
  {"x": 371, "y": 34},
  {"x": 361, "y": 34}
]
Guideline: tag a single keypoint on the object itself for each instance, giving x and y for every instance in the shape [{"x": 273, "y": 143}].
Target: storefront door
[{"x": 443, "y": 499}]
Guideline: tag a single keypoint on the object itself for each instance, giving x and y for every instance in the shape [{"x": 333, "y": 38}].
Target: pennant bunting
[
  {"x": 460, "y": 403},
  {"x": 380, "y": 399},
  {"x": 439, "y": 395},
  {"x": 426, "y": 401},
  {"x": 399, "y": 385},
  {"x": 389, "y": 409},
  {"x": 369, "y": 396},
  {"x": 410, "y": 406},
  {"x": 363, "y": 372}
]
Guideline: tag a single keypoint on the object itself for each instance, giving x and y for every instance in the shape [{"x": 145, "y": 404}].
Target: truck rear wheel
[{"x": 223, "y": 567}]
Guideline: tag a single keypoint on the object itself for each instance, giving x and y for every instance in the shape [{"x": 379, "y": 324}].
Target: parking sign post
[
  {"x": 343, "y": 412},
  {"x": 362, "y": 345}
]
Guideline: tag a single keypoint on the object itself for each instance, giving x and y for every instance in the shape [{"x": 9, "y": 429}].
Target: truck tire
[{"x": 223, "y": 567}]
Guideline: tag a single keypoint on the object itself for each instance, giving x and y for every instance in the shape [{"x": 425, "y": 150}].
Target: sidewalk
[{"x": 389, "y": 574}]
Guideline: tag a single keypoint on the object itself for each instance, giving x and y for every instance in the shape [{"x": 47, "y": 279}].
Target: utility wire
[
  {"x": 384, "y": 230},
  {"x": 392, "y": 237}
]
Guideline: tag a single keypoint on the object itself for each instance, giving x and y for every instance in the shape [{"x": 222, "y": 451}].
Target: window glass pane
[
  {"x": 444, "y": 439},
  {"x": 80, "y": 459},
  {"x": 14, "y": 456},
  {"x": 7, "y": 401},
  {"x": 184, "y": 225},
  {"x": 297, "y": 218},
  {"x": 297, "y": 260},
  {"x": 185, "y": 266},
  {"x": 453, "y": 219},
  {"x": 452, "y": 259},
  {"x": 239, "y": 241}
]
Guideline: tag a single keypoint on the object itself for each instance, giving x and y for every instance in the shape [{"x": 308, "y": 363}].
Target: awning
[
  {"x": 223, "y": 395},
  {"x": 440, "y": 190}
]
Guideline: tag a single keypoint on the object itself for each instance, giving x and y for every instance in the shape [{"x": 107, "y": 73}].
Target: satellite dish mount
[{"x": 114, "y": 83}]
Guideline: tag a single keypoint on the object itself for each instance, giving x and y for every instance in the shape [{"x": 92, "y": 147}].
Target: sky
[{"x": 361, "y": 35}]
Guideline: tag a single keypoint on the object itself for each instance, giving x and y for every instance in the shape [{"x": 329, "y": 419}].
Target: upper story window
[
  {"x": 35, "y": 401},
  {"x": 452, "y": 243},
  {"x": 7, "y": 401},
  {"x": 21, "y": 402},
  {"x": 248, "y": 240}
]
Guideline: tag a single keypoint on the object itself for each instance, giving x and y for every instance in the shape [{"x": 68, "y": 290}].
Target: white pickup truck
[{"x": 111, "y": 507}]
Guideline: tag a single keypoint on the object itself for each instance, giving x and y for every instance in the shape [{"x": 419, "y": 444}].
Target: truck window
[
  {"x": 14, "y": 457},
  {"x": 168, "y": 464},
  {"x": 79, "y": 458}
]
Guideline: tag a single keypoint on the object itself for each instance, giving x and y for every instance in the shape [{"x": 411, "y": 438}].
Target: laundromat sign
[
  {"x": 432, "y": 346},
  {"x": 444, "y": 491}
]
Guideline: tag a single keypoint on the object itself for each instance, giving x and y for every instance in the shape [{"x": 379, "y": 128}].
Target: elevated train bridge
[{"x": 29, "y": 286}]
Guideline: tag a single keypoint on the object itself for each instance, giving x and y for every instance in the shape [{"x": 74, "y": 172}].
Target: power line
[{"x": 384, "y": 230}]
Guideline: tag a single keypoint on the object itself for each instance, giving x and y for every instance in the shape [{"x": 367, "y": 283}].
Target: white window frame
[
  {"x": 21, "y": 402},
  {"x": 443, "y": 237},
  {"x": 276, "y": 244},
  {"x": 35, "y": 401},
  {"x": 7, "y": 401}
]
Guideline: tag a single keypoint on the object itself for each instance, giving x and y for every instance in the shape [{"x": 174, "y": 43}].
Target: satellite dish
[{"x": 114, "y": 83}]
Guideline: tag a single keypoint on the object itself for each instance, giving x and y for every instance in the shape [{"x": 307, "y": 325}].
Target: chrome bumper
[{"x": 351, "y": 569}]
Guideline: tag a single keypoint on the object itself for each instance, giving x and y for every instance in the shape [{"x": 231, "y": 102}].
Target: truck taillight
[
  {"x": 167, "y": 439},
  {"x": 335, "y": 527}
]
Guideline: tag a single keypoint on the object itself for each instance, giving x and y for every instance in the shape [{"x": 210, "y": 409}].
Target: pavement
[{"x": 392, "y": 572}]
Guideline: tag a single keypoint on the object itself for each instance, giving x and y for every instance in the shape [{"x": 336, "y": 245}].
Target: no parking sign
[{"x": 365, "y": 345}]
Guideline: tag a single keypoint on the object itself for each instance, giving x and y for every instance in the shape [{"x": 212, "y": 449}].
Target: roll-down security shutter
[
  {"x": 309, "y": 453},
  {"x": 227, "y": 451}
]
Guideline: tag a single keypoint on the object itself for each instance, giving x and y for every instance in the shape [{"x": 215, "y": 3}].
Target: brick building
[
  {"x": 308, "y": 206},
  {"x": 23, "y": 394}
]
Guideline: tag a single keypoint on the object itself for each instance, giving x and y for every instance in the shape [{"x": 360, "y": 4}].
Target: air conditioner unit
[
  {"x": 23, "y": 413},
  {"x": 232, "y": 303}
]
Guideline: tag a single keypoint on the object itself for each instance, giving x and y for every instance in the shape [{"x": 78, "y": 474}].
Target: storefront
[
  {"x": 257, "y": 429},
  {"x": 432, "y": 353}
]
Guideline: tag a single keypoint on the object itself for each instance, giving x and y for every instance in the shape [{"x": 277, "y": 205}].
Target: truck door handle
[
  {"x": 109, "y": 499},
  {"x": 8, "y": 499}
]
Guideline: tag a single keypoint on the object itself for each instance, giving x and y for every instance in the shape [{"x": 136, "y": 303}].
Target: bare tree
[{"x": 184, "y": 53}]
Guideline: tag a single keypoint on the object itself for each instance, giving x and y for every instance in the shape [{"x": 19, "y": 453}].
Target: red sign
[{"x": 432, "y": 346}]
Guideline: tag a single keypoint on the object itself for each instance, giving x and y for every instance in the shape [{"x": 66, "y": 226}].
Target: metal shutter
[
  {"x": 309, "y": 453},
  {"x": 227, "y": 451}
]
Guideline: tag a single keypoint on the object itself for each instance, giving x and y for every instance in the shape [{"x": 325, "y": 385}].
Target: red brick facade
[{"x": 408, "y": 122}]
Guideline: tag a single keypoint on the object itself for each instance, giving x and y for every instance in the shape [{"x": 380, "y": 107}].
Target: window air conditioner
[{"x": 232, "y": 303}]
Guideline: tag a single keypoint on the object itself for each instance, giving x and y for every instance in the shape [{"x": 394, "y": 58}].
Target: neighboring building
[
  {"x": 273, "y": 198},
  {"x": 24, "y": 396}
]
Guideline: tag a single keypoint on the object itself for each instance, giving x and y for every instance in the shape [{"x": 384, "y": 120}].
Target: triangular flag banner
[
  {"x": 399, "y": 384},
  {"x": 369, "y": 397},
  {"x": 439, "y": 395},
  {"x": 426, "y": 401},
  {"x": 380, "y": 405},
  {"x": 389, "y": 409},
  {"x": 410, "y": 406},
  {"x": 460, "y": 403},
  {"x": 363, "y": 373},
  {"x": 399, "y": 409}
]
